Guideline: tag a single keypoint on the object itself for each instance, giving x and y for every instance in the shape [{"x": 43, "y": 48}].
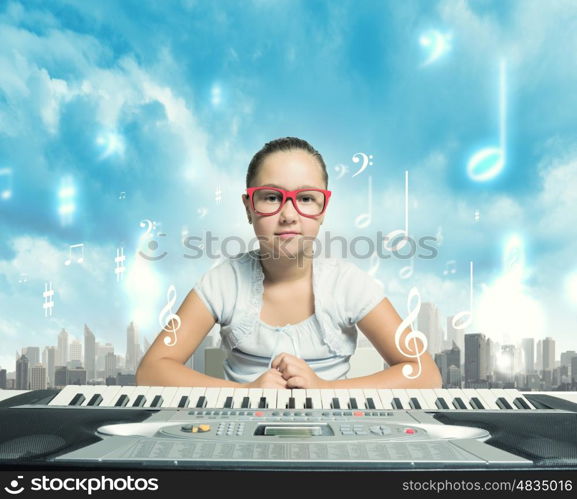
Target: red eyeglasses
[{"x": 270, "y": 200}]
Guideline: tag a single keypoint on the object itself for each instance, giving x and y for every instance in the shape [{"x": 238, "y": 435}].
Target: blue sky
[{"x": 167, "y": 101}]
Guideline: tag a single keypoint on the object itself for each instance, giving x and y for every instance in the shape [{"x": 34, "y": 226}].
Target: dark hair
[{"x": 283, "y": 144}]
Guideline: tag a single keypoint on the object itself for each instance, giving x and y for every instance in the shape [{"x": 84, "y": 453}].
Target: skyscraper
[
  {"x": 75, "y": 350},
  {"x": 62, "y": 349},
  {"x": 528, "y": 349},
  {"x": 429, "y": 323},
  {"x": 37, "y": 377},
  {"x": 132, "y": 348},
  {"x": 49, "y": 359},
  {"x": 89, "y": 353},
  {"x": 548, "y": 354},
  {"x": 476, "y": 359},
  {"x": 22, "y": 381}
]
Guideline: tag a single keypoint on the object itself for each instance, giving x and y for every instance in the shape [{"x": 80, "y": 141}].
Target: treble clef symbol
[
  {"x": 170, "y": 322},
  {"x": 413, "y": 335}
]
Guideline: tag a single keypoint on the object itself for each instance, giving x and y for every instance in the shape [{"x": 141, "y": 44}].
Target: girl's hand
[
  {"x": 271, "y": 378},
  {"x": 296, "y": 372}
]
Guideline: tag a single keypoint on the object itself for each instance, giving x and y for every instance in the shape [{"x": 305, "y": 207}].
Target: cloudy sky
[{"x": 113, "y": 113}]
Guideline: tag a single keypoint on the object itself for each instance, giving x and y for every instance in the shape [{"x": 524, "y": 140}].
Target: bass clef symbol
[
  {"x": 413, "y": 335},
  {"x": 169, "y": 321}
]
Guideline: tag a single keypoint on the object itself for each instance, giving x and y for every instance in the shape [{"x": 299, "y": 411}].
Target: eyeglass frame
[{"x": 286, "y": 195}]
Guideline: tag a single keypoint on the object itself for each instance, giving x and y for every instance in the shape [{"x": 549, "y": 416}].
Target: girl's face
[{"x": 289, "y": 170}]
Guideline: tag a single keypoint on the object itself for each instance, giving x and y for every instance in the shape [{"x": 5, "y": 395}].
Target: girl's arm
[
  {"x": 163, "y": 365},
  {"x": 379, "y": 326}
]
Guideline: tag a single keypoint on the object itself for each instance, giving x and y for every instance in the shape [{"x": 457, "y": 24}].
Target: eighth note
[
  {"x": 466, "y": 316},
  {"x": 169, "y": 321},
  {"x": 450, "y": 267},
  {"x": 72, "y": 249}
]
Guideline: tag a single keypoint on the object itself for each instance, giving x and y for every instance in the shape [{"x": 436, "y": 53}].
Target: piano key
[
  {"x": 353, "y": 403},
  {"x": 327, "y": 398},
  {"x": 282, "y": 398},
  {"x": 111, "y": 393},
  {"x": 402, "y": 396},
  {"x": 254, "y": 394},
  {"x": 459, "y": 403},
  {"x": 138, "y": 393},
  {"x": 167, "y": 396},
  {"x": 309, "y": 403},
  {"x": 201, "y": 402},
  {"x": 476, "y": 403},
  {"x": 447, "y": 396},
  {"x": 237, "y": 397},
  {"x": 122, "y": 397},
  {"x": 183, "y": 402},
  {"x": 343, "y": 395},
  {"x": 315, "y": 395},
  {"x": 428, "y": 398},
  {"x": 151, "y": 397},
  {"x": 519, "y": 399},
  {"x": 270, "y": 395},
  {"x": 508, "y": 402},
  {"x": 122, "y": 401},
  {"x": 262, "y": 404},
  {"x": 299, "y": 395},
  {"x": 488, "y": 397},
  {"x": 245, "y": 404},
  {"x": 95, "y": 400},
  {"x": 89, "y": 391},
  {"x": 457, "y": 393},
  {"x": 224, "y": 395},
  {"x": 358, "y": 395},
  {"x": 77, "y": 399},
  {"x": 195, "y": 394},
  {"x": 335, "y": 403},
  {"x": 181, "y": 391},
  {"x": 386, "y": 396},
  {"x": 397, "y": 404},
  {"x": 371, "y": 393},
  {"x": 64, "y": 396},
  {"x": 291, "y": 403},
  {"x": 417, "y": 395},
  {"x": 442, "y": 403},
  {"x": 211, "y": 395},
  {"x": 156, "y": 401},
  {"x": 369, "y": 403},
  {"x": 503, "y": 403},
  {"x": 414, "y": 403}
]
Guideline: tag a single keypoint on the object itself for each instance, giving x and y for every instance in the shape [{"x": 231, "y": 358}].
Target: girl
[{"x": 288, "y": 319}]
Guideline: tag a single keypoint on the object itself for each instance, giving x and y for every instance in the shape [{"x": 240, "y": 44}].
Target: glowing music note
[
  {"x": 119, "y": 260},
  {"x": 150, "y": 226},
  {"x": 488, "y": 162},
  {"x": 364, "y": 219},
  {"x": 466, "y": 316},
  {"x": 169, "y": 321},
  {"x": 22, "y": 278},
  {"x": 218, "y": 194},
  {"x": 73, "y": 249},
  {"x": 122, "y": 195},
  {"x": 375, "y": 263},
  {"x": 366, "y": 161},
  {"x": 341, "y": 170},
  {"x": 450, "y": 267},
  {"x": 5, "y": 183},
  {"x": 439, "y": 236},
  {"x": 407, "y": 271},
  {"x": 477, "y": 215},
  {"x": 202, "y": 212},
  {"x": 514, "y": 257},
  {"x": 412, "y": 335},
  {"x": 436, "y": 44},
  {"x": 395, "y": 234}
]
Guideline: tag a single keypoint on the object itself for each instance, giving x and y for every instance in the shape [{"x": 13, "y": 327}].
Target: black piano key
[
  {"x": 397, "y": 403},
  {"x": 122, "y": 401},
  {"x": 77, "y": 399},
  {"x": 353, "y": 403},
  {"x": 441, "y": 403},
  {"x": 458, "y": 403},
  {"x": 262, "y": 403},
  {"x": 503, "y": 403},
  {"x": 309, "y": 403},
  {"x": 157, "y": 401},
  {"x": 370, "y": 403},
  {"x": 95, "y": 400},
  {"x": 201, "y": 403},
  {"x": 476, "y": 403},
  {"x": 414, "y": 403},
  {"x": 140, "y": 401},
  {"x": 184, "y": 400},
  {"x": 521, "y": 404},
  {"x": 291, "y": 403},
  {"x": 228, "y": 403},
  {"x": 335, "y": 404},
  {"x": 245, "y": 403}
]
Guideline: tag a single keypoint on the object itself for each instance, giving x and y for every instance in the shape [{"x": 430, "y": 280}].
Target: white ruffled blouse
[{"x": 343, "y": 295}]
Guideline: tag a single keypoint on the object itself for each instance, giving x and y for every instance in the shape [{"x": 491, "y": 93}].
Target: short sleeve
[
  {"x": 217, "y": 289},
  {"x": 361, "y": 293}
]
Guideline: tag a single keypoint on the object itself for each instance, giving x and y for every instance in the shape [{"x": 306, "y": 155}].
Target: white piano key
[
  {"x": 458, "y": 393},
  {"x": 89, "y": 391},
  {"x": 270, "y": 394},
  {"x": 488, "y": 398},
  {"x": 224, "y": 393},
  {"x": 65, "y": 395},
  {"x": 150, "y": 394},
  {"x": 500, "y": 392},
  {"x": 211, "y": 395},
  {"x": 447, "y": 396},
  {"x": 138, "y": 390},
  {"x": 372, "y": 394},
  {"x": 327, "y": 395},
  {"x": 181, "y": 391},
  {"x": 125, "y": 390},
  {"x": 254, "y": 395},
  {"x": 315, "y": 395},
  {"x": 238, "y": 396},
  {"x": 386, "y": 396},
  {"x": 414, "y": 393},
  {"x": 299, "y": 395},
  {"x": 359, "y": 396},
  {"x": 427, "y": 399},
  {"x": 109, "y": 395},
  {"x": 282, "y": 398},
  {"x": 343, "y": 395},
  {"x": 195, "y": 394},
  {"x": 402, "y": 396},
  {"x": 513, "y": 394}
]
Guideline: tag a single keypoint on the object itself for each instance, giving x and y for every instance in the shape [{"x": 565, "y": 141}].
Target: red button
[
  {"x": 259, "y": 413},
  {"x": 409, "y": 431},
  {"x": 358, "y": 413}
]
